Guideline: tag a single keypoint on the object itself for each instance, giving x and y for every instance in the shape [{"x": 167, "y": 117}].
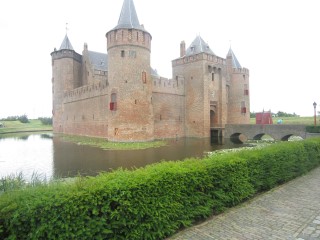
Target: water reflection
[
  {"x": 27, "y": 154},
  {"x": 48, "y": 155}
]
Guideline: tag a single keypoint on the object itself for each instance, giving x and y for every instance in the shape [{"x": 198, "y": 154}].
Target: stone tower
[
  {"x": 239, "y": 102},
  {"x": 204, "y": 75},
  {"x": 129, "y": 78},
  {"x": 66, "y": 75}
]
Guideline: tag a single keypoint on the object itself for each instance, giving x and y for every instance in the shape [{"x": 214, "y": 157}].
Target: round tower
[
  {"x": 130, "y": 115},
  {"x": 66, "y": 70},
  {"x": 239, "y": 95}
]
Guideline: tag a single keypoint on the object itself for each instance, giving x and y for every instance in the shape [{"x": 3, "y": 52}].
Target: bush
[
  {"x": 23, "y": 118},
  {"x": 10, "y": 118},
  {"x": 151, "y": 202},
  {"x": 313, "y": 129},
  {"x": 46, "y": 120}
]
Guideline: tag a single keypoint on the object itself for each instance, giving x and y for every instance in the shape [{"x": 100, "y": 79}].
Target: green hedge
[
  {"x": 313, "y": 129},
  {"x": 153, "y": 202}
]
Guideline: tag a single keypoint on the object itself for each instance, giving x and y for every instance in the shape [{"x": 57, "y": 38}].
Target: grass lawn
[
  {"x": 104, "y": 144},
  {"x": 17, "y": 126},
  {"x": 292, "y": 120}
]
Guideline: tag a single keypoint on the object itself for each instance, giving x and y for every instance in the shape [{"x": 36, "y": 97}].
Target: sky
[{"x": 277, "y": 40}]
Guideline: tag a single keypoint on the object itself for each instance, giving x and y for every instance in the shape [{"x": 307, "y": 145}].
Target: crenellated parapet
[
  {"x": 240, "y": 71},
  {"x": 198, "y": 57},
  {"x": 166, "y": 85},
  {"x": 135, "y": 37},
  {"x": 66, "y": 53},
  {"x": 85, "y": 92}
]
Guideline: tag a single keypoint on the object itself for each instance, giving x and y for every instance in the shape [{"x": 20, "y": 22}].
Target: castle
[{"x": 119, "y": 97}]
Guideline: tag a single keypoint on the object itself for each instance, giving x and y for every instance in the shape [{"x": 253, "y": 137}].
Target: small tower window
[
  {"x": 246, "y": 90},
  {"x": 122, "y": 53},
  {"x": 144, "y": 77},
  {"x": 212, "y": 76},
  {"x": 243, "y": 107},
  {"x": 130, "y": 34},
  {"x": 143, "y": 37},
  {"x": 113, "y": 103}
]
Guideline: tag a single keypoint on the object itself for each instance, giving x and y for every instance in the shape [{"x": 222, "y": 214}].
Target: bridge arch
[
  {"x": 261, "y": 135},
  {"x": 256, "y": 131},
  {"x": 238, "y": 138}
]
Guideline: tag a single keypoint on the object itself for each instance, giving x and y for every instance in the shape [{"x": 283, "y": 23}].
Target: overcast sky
[{"x": 277, "y": 40}]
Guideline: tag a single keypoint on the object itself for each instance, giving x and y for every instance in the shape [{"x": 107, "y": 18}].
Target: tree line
[
  {"x": 24, "y": 119},
  {"x": 278, "y": 114}
]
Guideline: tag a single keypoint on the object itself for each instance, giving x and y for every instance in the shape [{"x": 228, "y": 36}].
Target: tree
[{"x": 23, "y": 118}]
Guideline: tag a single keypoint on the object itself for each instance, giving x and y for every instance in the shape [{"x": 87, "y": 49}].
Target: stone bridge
[{"x": 281, "y": 132}]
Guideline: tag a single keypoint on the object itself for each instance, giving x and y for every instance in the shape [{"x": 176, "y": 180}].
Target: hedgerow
[{"x": 152, "y": 202}]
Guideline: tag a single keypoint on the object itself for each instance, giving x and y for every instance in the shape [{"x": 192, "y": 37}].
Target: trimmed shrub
[
  {"x": 152, "y": 202},
  {"x": 313, "y": 129}
]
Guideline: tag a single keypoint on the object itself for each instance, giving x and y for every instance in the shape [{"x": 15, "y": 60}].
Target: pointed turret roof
[
  {"x": 198, "y": 46},
  {"x": 235, "y": 62},
  {"x": 128, "y": 17},
  {"x": 66, "y": 44}
]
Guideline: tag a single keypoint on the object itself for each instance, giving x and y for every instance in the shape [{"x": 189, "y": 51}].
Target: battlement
[
  {"x": 166, "y": 85},
  {"x": 240, "y": 70},
  {"x": 100, "y": 72},
  {"x": 85, "y": 92},
  {"x": 198, "y": 57},
  {"x": 66, "y": 53},
  {"x": 128, "y": 37}
]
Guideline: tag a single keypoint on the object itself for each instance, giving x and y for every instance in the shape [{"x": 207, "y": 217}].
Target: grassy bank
[
  {"x": 17, "y": 126},
  {"x": 104, "y": 144},
  {"x": 152, "y": 202},
  {"x": 291, "y": 120}
]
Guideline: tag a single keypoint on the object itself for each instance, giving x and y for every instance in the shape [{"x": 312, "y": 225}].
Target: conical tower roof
[
  {"x": 235, "y": 62},
  {"x": 66, "y": 44},
  {"x": 198, "y": 46},
  {"x": 128, "y": 17}
]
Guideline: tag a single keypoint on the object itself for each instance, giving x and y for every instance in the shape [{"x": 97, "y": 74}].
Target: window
[
  {"x": 144, "y": 77},
  {"x": 246, "y": 90},
  {"x": 113, "y": 103},
  {"x": 130, "y": 34},
  {"x": 143, "y": 37},
  {"x": 122, "y": 53},
  {"x": 212, "y": 77},
  {"x": 132, "y": 54},
  {"x": 243, "y": 107}
]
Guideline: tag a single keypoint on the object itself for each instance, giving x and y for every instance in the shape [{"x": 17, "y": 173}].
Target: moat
[{"x": 48, "y": 156}]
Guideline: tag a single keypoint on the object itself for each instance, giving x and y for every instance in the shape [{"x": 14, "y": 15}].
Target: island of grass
[{"x": 104, "y": 144}]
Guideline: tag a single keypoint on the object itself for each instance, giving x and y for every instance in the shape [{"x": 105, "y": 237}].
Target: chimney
[{"x": 182, "y": 49}]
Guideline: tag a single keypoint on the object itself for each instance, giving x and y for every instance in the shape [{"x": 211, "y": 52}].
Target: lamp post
[{"x": 315, "y": 111}]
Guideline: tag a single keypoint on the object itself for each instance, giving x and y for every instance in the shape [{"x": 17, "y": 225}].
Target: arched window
[{"x": 113, "y": 103}]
